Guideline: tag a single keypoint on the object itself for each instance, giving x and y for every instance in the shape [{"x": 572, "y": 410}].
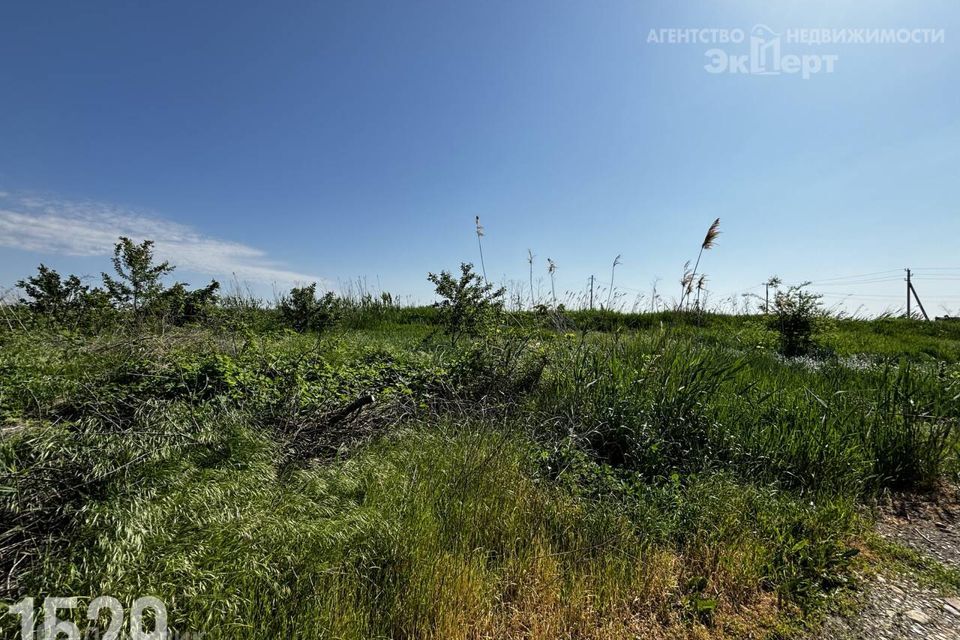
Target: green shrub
[
  {"x": 177, "y": 305},
  {"x": 65, "y": 302},
  {"x": 302, "y": 310},
  {"x": 797, "y": 316},
  {"x": 468, "y": 305}
]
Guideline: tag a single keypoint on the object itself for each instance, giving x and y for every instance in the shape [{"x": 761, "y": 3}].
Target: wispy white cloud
[{"x": 82, "y": 228}]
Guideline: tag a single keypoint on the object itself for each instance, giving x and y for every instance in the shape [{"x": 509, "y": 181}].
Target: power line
[
  {"x": 855, "y": 282},
  {"x": 860, "y": 295},
  {"x": 859, "y": 276},
  {"x": 937, "y": 269}
]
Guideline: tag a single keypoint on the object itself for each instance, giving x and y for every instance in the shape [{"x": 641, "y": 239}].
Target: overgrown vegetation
[
  {"x": 456, "y": 471},
  {"x": 797, "y": 317},
  {"x": 303, "y": 311},
  {"x": 468, "y": 304}
]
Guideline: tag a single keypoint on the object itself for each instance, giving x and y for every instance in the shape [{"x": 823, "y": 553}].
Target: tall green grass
[
  {"x": 676, "y": 481},
  {"x": 659, "y": 404},
  {"x": 442, "y": 532}
]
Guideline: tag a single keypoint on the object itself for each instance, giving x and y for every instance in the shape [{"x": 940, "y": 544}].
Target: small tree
[
  {"x": 468, "y": 304},
  {"x": 797, "y": 315},
  {"x": 50, "y": 295},
  {"x": 138, "y": 280},
  {"x": 303, "y": 311}
]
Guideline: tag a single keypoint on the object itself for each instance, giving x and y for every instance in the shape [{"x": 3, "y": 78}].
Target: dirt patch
[
  {"x": 893, "y": 608},
  {"x": 928, "y": 523}
]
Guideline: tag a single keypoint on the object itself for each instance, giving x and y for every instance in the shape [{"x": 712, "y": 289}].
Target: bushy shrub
[
  {"x": 134, "y": 291},
  {"x": 48, "y": 293},
  {"x": 797, "y": 317},
  {"x": 180, "y": 306},
  {"x": 468, "y": 304},
  {"x": 64, "y": 301},
  {"x": 303, "y": 311}
]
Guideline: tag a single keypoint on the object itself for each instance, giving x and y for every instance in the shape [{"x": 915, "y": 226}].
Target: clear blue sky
[{"x": 291, "y": 141}]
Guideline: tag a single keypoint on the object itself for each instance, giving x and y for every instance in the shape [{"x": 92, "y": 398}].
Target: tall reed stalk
[
  {"x": 552, "y": 269},
  {"x": 690, "y": 277},
  {"x": 616, "y": 261},
  {"x": 530, "y": 262},
  {"x": 483, "y": 267}
]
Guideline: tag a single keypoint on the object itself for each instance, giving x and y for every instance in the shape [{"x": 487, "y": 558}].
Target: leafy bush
[
  {"x": 135, "y": 290},
  {"x": 797, "y": 315},
  {"x": 469, "y": 305},
  {"x": 303, "y": 311},
  {"x": 49, "y": 294},
  {"x": 64, "y": 301},
  {"x": 180, "y": 306}
]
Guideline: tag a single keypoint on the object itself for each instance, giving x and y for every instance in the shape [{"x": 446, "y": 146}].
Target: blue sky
[{"x": 294, "y": 141}]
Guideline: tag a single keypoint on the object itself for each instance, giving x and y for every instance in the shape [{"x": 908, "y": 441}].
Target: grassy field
[{"x": 577, "y": 475}]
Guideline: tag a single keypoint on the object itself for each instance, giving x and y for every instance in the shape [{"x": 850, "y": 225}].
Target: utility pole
[
  {"x": 909, "y": 286},
  {"x": 591, "y": 293},
  {"x": 913, "y": 291}
]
